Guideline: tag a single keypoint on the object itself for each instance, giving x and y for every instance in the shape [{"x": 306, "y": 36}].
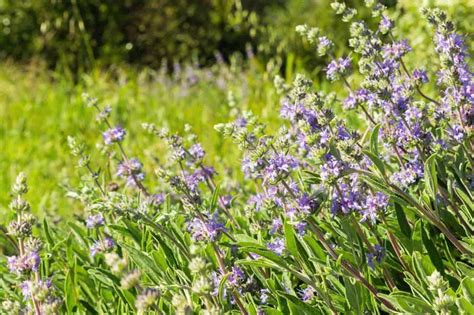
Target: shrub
[
  {"x": 327, "y": 220},
  {"x": 78, "y": 35}
]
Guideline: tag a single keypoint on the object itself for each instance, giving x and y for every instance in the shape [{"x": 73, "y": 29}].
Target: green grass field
[{"x": 38, "y": 110}]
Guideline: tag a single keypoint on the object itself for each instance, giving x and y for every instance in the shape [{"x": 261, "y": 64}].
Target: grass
[{"x": 39, "y": 110}]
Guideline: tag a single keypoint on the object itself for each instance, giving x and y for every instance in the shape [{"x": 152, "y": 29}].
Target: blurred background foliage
[{"x": 77, "y": 35}]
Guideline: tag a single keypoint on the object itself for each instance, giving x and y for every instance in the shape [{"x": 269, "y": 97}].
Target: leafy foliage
[{"x": 327, "y": 219}]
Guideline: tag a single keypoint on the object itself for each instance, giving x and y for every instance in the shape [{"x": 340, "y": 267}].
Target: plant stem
[
  {"x": 434, "y": 220},
  {"x": 347, "y": 266},
  {"x": 222, "y": 267}
]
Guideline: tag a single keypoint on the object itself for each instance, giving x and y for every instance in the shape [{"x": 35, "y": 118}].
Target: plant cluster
[{"x": 328, "y": 219}]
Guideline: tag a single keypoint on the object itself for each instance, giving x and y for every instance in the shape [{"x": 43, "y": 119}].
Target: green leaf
[
  {"x": 431, "y": 180},
  {"x": 104, "y": 276},
  {"x": 467, "y": 286},
  {"x": 144, "y": 262},
  {"x": 126, "y": 296},
  {"x": 70, "y": 289},
  {"x": 375, "y": 183},
  {"x": 134, "y": 230},
  {"x": 408, "y": 303},
  {"x": 125, "y": 232},
  {"x": 300, "y": 307},
  {"x": 374, "y": 140},
  {"x": 215, "y": 197},
  {"x": 402, "y": 220},
  {"x": 316, "y": 249},
  {"x": 222, "y": 286},
  {"x": 245, "y": 241},
  {"x": 90, "y": 309},
  {"x": 465, "y": 198},
  {"x": 257, "y": 263},
  {"x": 432, "y": 251},
  {"x": 465, "y": 269},
  {"x": 268, "y": 255},
  {"x": 47, "y": 233},
  {"x": 78, "y": 232},
  {"x": 291, "y": 240},
  {"x": 377, "y": 162},
  {"x": 466, "y": 307},
  {"x": 352, "y": 293}
]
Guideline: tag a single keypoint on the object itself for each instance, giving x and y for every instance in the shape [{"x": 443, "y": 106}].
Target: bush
[
  {"x": 329, "y": 219},
  {"x": 78, "y": 34}
]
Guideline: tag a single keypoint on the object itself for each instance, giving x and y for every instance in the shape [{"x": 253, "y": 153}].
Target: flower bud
[
  {"x": 116, "y": 264},
  {"x": 197, "y": 265},
  {"x": 20, "y": 187},
  {"x": 20, "y": 229},
  {"x": 436, "y": 282},
  {"x": 146, "y": 299},
  {"x": 11, "y": 307},
  {"x": 180, "y": 303},
  {"x": 130, "y": 280},
  {"x": 19, "y": 205},
  {"x": 201, "y": 286},
  {"x": 33, "y": 245}
]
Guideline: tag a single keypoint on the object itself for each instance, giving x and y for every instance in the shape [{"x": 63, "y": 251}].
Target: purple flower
[
  {"x": 296, "y": 112},
  {"x": 301, "y": 228},
  {"x": 216, "y": 280},
  {"x": 378, "y": 254},
  {"x": 26, "y": 289},
  {"x": 331, "y": 169},
  {"x": 306, "y": 205},
  {"x": 408, "y": 175},
  {"x": 192, "y": 180},
  {"x": 256, "y": 201},
  {"x": 252, "y": 168},
  {"x": 226, "y": 201},
  {"x": 104, "y": 114},
  {"x": 102, "y": 245},
  {"x": 94, "y": 221},
  {"x": 420, "y": 76},
  {"x": 468, "y": 92},
  {"x": 451, "y": 45},
  {"x": 325, "y": 135},
  {"x": 29, "y": 287},
  {"x": 350, "y": 102},
  {"x": 307, "y": 294},
  {"x": 385, "y": 24},
  {"x": 396, "y": 50},
  {"x": 132, "y": 171},
  {"x": 277, "y": 225},
  {"x": 241, "y": 122},
  {"x": 202, "y": 231},
  {"x": 280, "y": 165},
  {"x": 236, "y": 277},
  {"x": 413, "y": 114},
  {"x": 156, "y": 199},
  {"x": 197, "y": 151},
  {"x": 264, "y": 296},
  {"x": 324, "y": 41},
  {"x": 338, "y": 68},
  {"x": 206, "y": 172},
  {"x": 374, "y": 204},
  {"x": 346, "y": 202},
  {"x": 343, "y": 134},
  {"x": 277, "y": 246},
  {"x": 324, "y": 45},
  {"x": 28, "y": 261},
  {"x": 457, "y": 133},
  {"x": 114, "y": 135}
]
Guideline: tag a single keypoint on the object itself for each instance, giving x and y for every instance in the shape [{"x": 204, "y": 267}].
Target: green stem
[{"x": 347, "y": 266}]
